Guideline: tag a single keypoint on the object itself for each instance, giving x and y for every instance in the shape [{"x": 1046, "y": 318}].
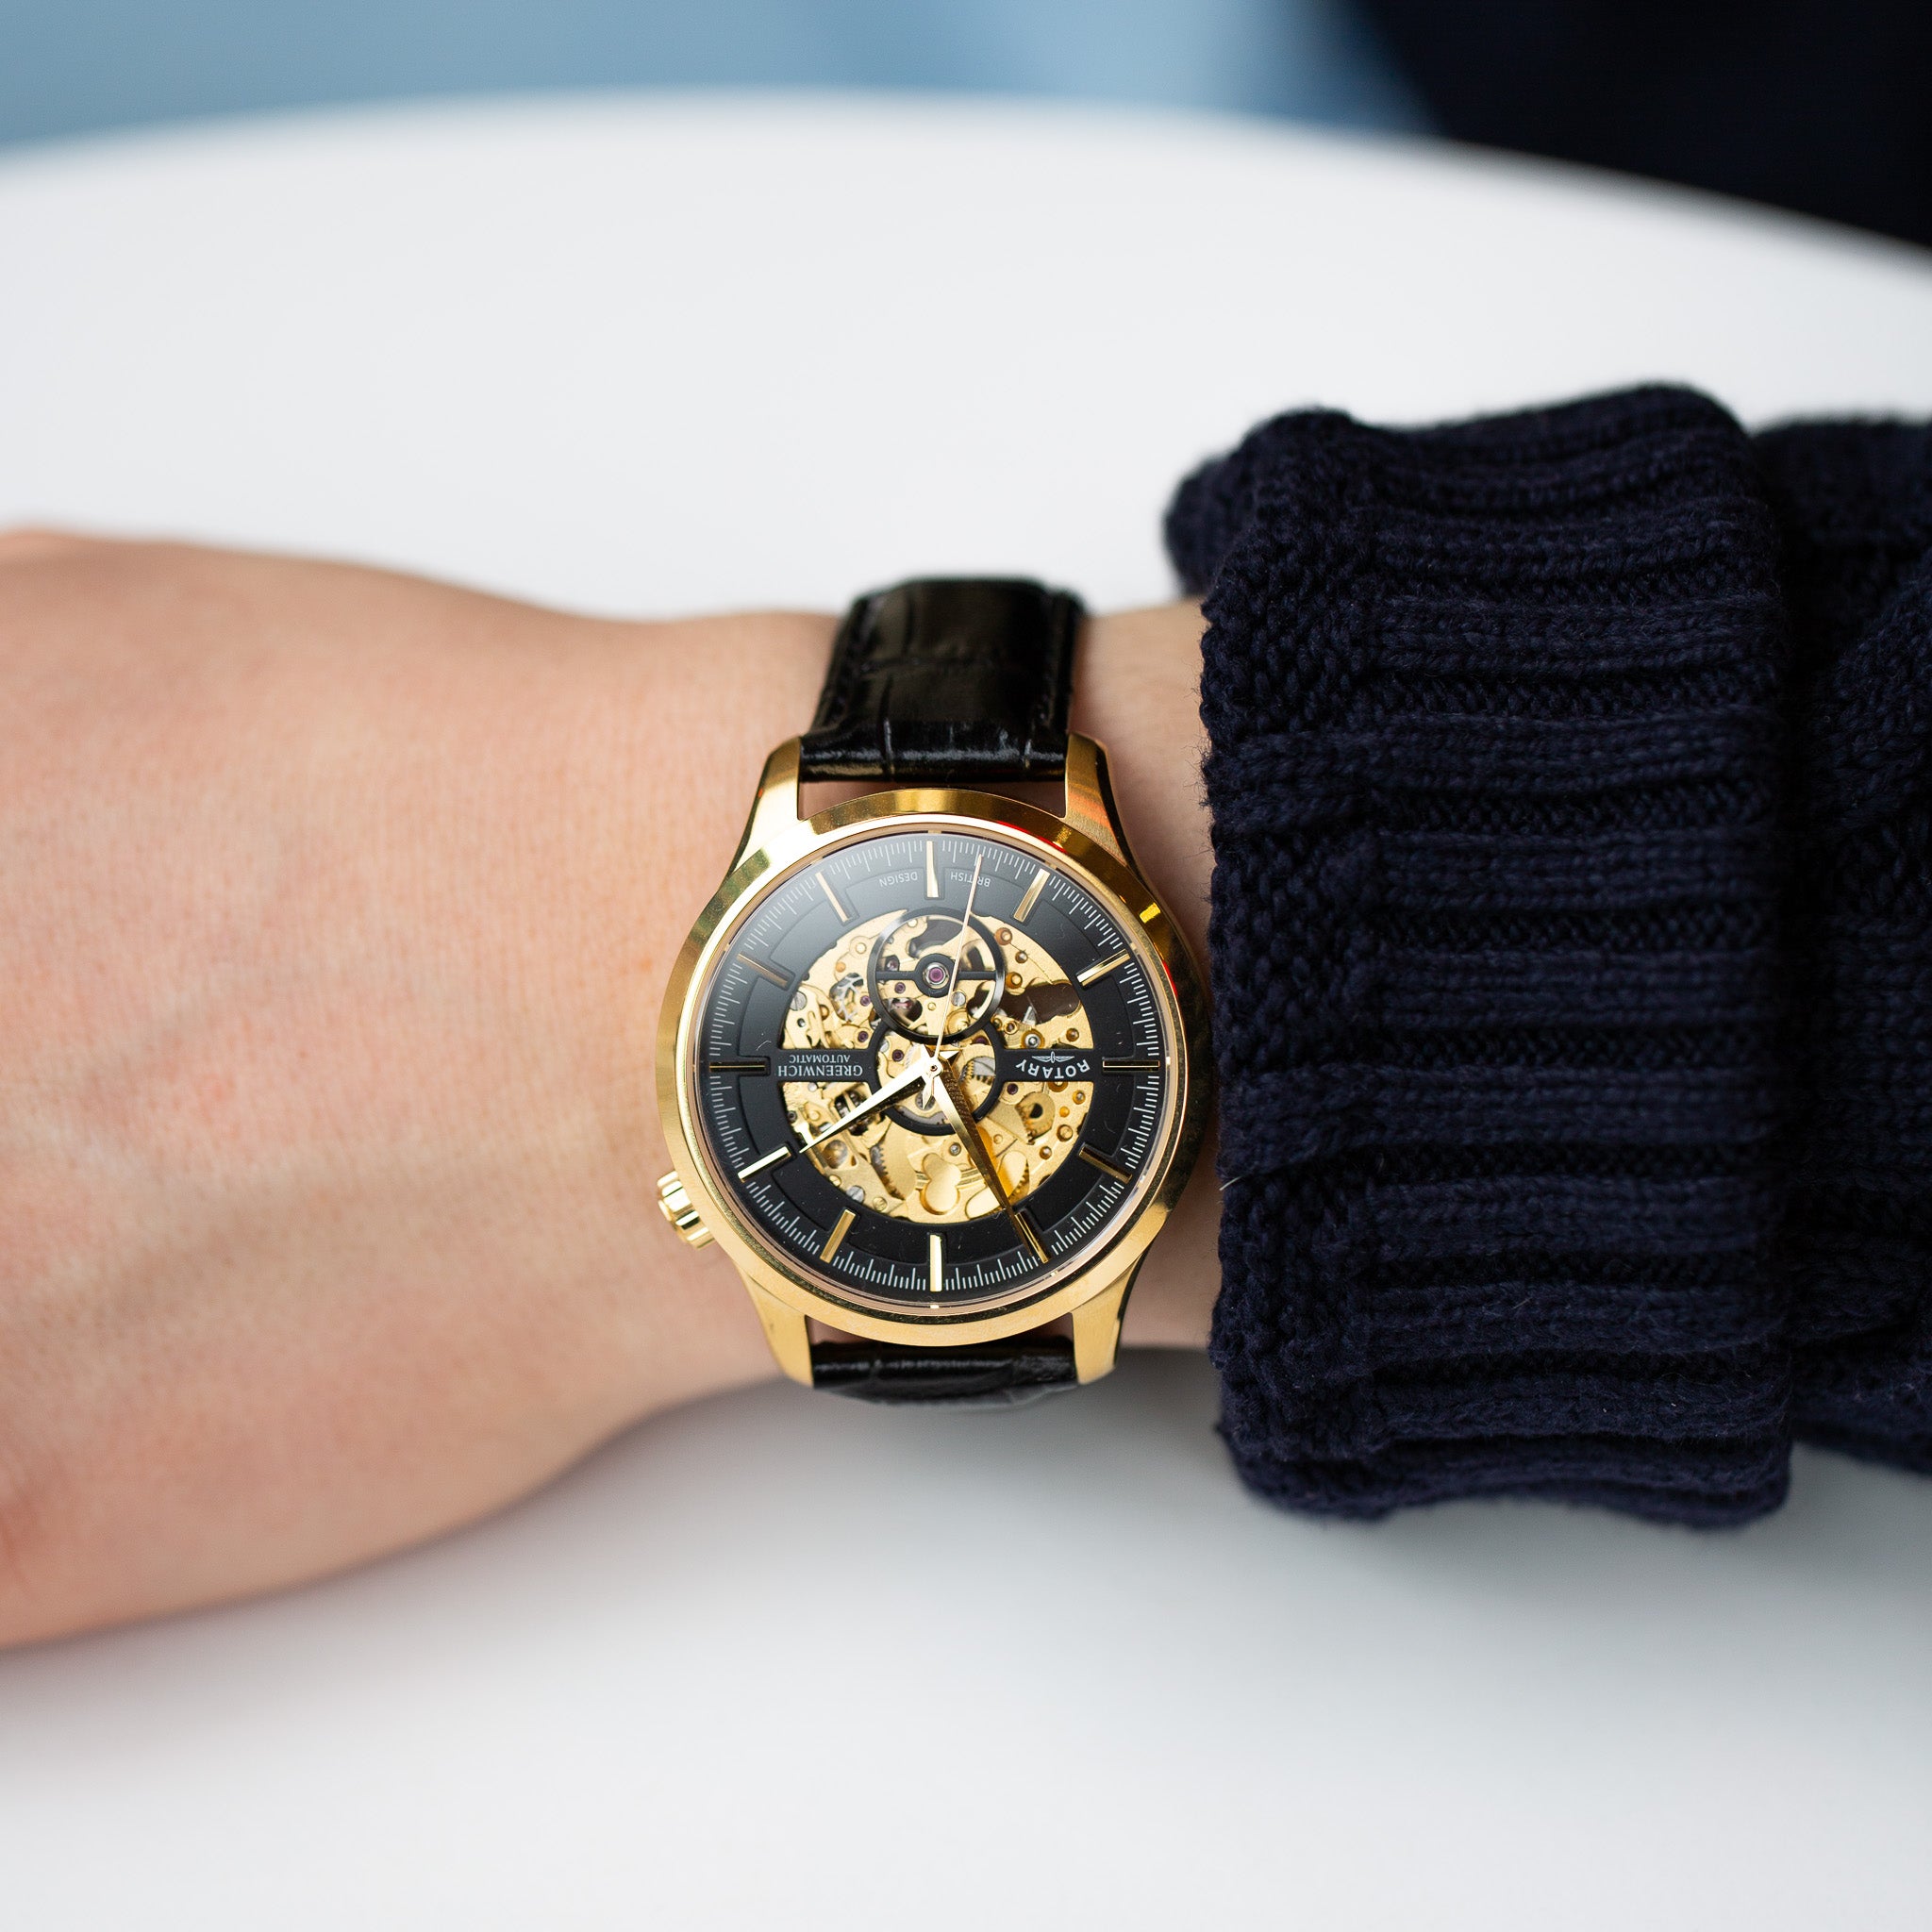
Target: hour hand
[{"x": 913, "y": 1076}]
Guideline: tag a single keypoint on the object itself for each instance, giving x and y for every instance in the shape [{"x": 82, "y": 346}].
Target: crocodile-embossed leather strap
[{"x": 948, "y": 682}]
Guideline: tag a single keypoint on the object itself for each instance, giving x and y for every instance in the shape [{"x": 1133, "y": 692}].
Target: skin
[{"x": 340, "y": 905}]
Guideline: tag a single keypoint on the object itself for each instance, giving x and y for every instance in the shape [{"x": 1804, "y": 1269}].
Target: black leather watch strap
[
  {"x": 948, "y": 680},
  {"x": 993, "y": 1376}
]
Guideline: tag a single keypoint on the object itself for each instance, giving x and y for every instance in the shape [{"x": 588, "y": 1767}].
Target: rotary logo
[{"x": 1050, "y": 1063}]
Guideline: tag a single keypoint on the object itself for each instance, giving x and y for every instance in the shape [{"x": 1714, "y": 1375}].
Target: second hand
[{"x": 956, "y": 952}]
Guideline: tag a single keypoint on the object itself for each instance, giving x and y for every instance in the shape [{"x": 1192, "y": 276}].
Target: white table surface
[{"x": 778, "y": 1661}]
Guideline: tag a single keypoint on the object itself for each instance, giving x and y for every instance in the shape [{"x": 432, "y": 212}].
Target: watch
[{"x": 933, "y": 1062}]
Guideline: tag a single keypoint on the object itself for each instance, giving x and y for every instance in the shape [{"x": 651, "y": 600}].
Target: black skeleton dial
[{"x": 934, "y": 1069}]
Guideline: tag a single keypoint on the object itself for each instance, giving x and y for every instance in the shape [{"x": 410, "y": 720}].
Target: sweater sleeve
[{"x": 1500, "y": 789}]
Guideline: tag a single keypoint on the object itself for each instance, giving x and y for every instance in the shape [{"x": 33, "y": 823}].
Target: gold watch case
[{"x": 1088, "y": 838}]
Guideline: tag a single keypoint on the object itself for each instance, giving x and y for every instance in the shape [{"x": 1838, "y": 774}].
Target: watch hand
[
  {"x": 913, "y": 1076},
  {"x": 957, "y": 1105},
  {"x": 965, "y": 932},
  {"x": 956, "y": 950}
]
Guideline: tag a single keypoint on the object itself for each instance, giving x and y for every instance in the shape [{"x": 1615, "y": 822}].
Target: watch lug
[
  {"x": 1097, "y": 1328},
  {"x": 786, "y": 1332},
  {"x": 774, "y": 826},
  {"x": 1089, "y": 806}
]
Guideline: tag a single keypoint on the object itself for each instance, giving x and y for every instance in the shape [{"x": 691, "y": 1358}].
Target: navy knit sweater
[{"x": 1571, "y": 776}]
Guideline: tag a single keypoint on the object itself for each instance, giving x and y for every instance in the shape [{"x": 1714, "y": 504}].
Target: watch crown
[{"x": 674, "y": 1199}]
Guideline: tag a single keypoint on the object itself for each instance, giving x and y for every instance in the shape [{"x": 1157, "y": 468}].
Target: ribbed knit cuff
[
  {"x": 1495, "y": 785},
  {"x": 1853, "y": 503}
]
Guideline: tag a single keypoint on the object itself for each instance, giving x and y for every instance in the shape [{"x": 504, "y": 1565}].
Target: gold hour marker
[
  {"x": 840, "y": 1231},
  {"x": 932, "y": 872},
  {"x": 1032, "y": 1234},
  {"x": 1099, "y": 969},
  {"x": 1032, "y": 898},
  {"x": 1107, "y": 1167},
  {"x": 763, "y": 1161},
  {"x": 738, "y": 1066},
  {"x": 763, "y": 970},
  {"x": 825, "y": 887},
  {"x": 935, "y": 1264},
  {"x": 1130, "y": 1066}
]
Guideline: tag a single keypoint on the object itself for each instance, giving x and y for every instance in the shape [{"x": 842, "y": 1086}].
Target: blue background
[{"x": 74, "y": 66}]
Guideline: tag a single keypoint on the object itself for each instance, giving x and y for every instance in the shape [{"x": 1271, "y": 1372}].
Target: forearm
[{"x": 341, "y": 909}]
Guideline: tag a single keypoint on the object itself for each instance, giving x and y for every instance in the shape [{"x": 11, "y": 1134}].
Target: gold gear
[{"x": 1031, "y": 1128}]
